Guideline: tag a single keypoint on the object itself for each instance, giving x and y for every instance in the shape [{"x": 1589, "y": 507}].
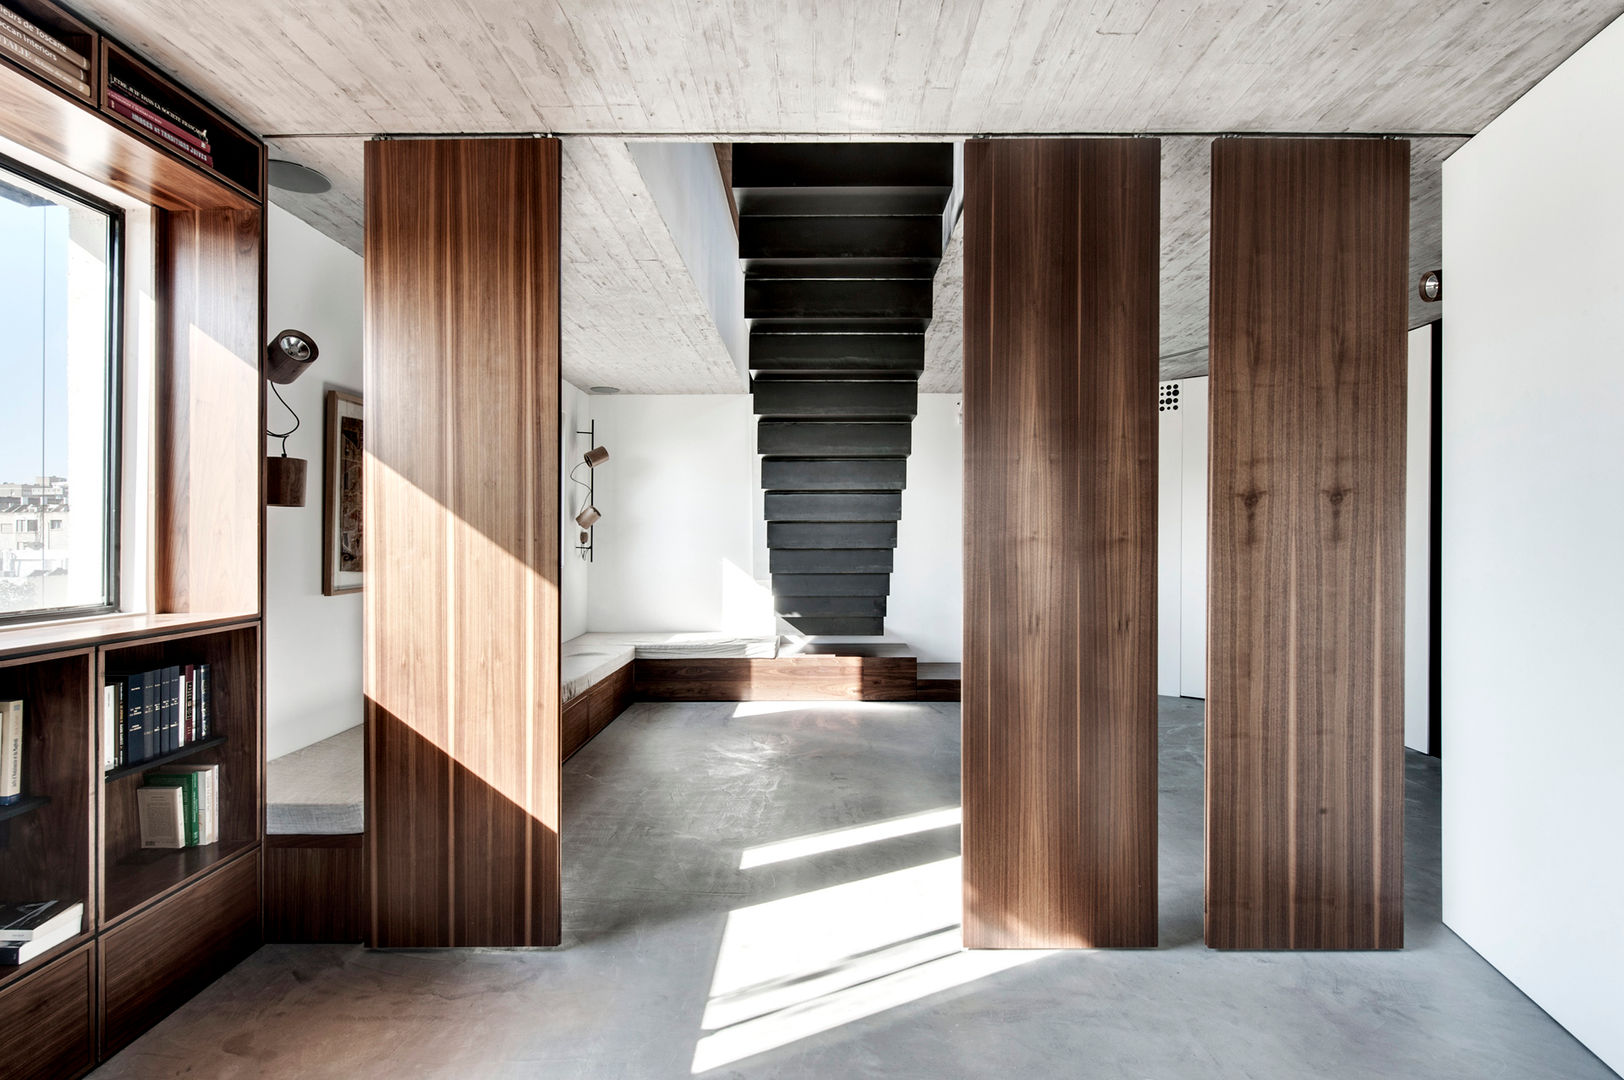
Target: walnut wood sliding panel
[
  {"x": 209, "y": 412},
  {"x": 1305, "y": 666},
  {"x": 461, "y": 541},
  {"x": 1061, "y": 256}
]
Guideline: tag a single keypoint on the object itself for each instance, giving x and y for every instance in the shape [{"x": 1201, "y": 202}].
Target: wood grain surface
[
  {"x": 1059, "y": 695},
  {"x": 159, "y": 959},
  {"x": 782, "y": 678},
  {"x": 461, "y": 541},
  {"x": 315, "y": 888},
  {"x": 50, "y": 1022},
  {"x": 1305, "y": 665}
]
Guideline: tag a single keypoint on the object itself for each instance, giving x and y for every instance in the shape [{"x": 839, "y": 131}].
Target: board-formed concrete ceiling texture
[{"x": 838, "y": 68}]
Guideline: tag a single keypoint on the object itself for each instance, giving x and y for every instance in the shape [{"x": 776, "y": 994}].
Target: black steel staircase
[{"x": 840, "y": 243}]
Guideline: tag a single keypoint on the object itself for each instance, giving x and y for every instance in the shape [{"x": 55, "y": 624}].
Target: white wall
[
  {"x": 1533, "y": 437},
  {"x": 574, "y": 578},
  {"x": 674, "y": 545},
  {"x": 686, "y": 183},
  {"x": 1418, "y": 544},
  {"x": 1181, "y": 544},
  {"x": 312, "y": 642},
  {"x": 926, "y": 606},
  {"x": 680, "y": 548}
]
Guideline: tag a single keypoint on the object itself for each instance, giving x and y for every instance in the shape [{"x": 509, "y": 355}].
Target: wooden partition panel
[
  {"x": 461, "y": 541},
  {"x": 1059, "y": 679},
  {"x": 1305, "y": 724},
  {"x": 209, "y": 412}
]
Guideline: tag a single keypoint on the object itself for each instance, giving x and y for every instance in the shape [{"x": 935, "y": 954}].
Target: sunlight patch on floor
[
  {"x": 791, "y": 968},
  {"x": 835, "y": 839}
]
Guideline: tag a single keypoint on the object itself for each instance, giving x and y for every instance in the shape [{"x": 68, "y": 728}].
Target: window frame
[{"x": 113, "y": 430}]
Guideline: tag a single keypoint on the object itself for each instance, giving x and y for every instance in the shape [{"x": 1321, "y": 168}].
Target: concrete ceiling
[{"x": 835, "y": 68}]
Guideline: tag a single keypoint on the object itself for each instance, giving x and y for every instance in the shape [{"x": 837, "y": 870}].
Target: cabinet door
[
  {"x": 46, "y": 1019},
  {"x": 156, "y": 961},
  {"x": 578, "y": 722}
]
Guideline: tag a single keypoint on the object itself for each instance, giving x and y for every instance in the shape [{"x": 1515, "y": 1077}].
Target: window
[{"x": 59, "y": 306}]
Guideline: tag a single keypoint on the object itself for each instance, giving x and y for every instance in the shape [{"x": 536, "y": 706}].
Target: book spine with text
[
  {"x": 164, "y": 136},
  {"x": 36, "y": 62},
  {"x": 11, "y": 751},
  {"x": 134, "y": 109},
  {"x": 205, "y": 709},
  {"x": 141, "y": 97},
  {"x": 50, "y": 43}
]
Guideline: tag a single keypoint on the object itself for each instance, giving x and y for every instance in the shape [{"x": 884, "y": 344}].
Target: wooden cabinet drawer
[
  {"x": 153, "y": 963},
  {"x": 46, "y": 1019},
  {"x": 577, "y": 723}
]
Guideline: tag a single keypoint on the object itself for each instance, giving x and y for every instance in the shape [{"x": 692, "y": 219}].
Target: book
[
  {"x": 140, "y": 97},
  {"x": 205, "y": 712},
  {"x": 207, "y": 781},
  {"x": 37, "y": 63},
  {"x": 165, "y": 137},
  {"x": 125, "y": 107},
  {"x": 171, "y": 677},
  {"x": 26, "y": 921},
  {"x": 188, "y": 718},
  {"x": 21, "y": 952},
  {"x": 47, "y": 41},
  {"x": 109, "y": 726},
  {"x": 135, "y": 718},
  {"x": 11, "y": 751},
  {"x": 119, "y": 688},
  {"x": 161, "y": 812},
  {"x": 190, "y": 785}
]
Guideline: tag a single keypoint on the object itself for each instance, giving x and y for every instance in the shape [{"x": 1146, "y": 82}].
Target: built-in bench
[{"x": 315, "y": 812}]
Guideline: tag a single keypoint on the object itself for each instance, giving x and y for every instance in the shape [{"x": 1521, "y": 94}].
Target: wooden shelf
[
  {"x": 237, "y": 157},
  {"x": 111, "y": 630},
  {"x": 151, "y": 873},
  {"x": 70, "y": 30},
  {"x": 26, "y": 804},
  {"x": 163, "y": 759},
  {"x": 10, "y": 973}
]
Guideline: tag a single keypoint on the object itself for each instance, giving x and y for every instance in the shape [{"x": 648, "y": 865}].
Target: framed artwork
[{"x": 341, "y": 569}]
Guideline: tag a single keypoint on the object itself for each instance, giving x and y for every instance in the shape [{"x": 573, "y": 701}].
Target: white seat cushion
[{"x": 319, "y": 789}]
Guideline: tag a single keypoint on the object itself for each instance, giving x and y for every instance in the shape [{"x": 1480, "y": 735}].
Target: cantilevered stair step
[
  {"x": 852, "y": 178},
  {"x": 831, "y": 584},
  {"x": 833, "y": 506},
  {"x": 814, "y": 438},
  {"x": 843, "y": 355},
  {"x": 782, "y": 237},
  {"x": 844, "y": 627},
  {"x": 837, "y": 298},
  {"x": 840, "y": 561},
  {"x": 871, "y": 399},
  {"x": 829, "y": 606},
  {"x": 831, "y": 534},
  {"x": 834, "y": 474}
]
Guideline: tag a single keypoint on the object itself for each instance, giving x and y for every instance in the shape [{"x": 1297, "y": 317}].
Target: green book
[{"x": 189, "y": 784}]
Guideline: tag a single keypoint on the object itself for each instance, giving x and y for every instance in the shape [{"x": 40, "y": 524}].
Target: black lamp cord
[
  {"x": 283, "y": 435},
  {"x": 583, "y": 483}
]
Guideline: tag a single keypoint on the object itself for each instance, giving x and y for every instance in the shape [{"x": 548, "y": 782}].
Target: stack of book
[
  {"x": 158, "y": 120},
  {"x": 11, "y": 751},
  {"x": 24, "y": 42},
  {"x": 28, "y": 929},
  {"x": 179, "y": 806},
  {"x": 155, "y": 713}
]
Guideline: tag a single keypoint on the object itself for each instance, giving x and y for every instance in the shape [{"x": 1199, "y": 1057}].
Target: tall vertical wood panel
[
  {"x": 1305, "y": 735},
  {"x": 1061, "y": 294},
  {"x": 209, "y": 394},
  {"x": 461, "y": 537}
]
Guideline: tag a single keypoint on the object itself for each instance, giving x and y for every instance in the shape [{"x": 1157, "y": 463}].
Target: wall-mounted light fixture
[
  {"x": 1431, "y": 287},
  {"x": 589, "y": 515},
  {"x": 288, "y": 356}
]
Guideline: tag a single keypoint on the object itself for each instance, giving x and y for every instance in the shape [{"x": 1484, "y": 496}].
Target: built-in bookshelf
[
  {"x": 52, "y": 46},
  {"x": 159, "y": 923},
  {"x": 137, "y": 96}
]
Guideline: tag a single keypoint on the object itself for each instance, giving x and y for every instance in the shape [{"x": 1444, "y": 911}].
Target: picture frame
[{"x": 343, "y": 444}]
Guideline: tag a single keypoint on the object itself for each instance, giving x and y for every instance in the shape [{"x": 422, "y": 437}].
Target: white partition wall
[
  {"x": 1533, "y": 522},
  {"x": 1418, "y": 544},
  {"x": 1181, "y": 547}
]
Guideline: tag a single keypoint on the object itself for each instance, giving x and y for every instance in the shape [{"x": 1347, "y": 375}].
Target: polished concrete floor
[{"x": 770, "y": 890}]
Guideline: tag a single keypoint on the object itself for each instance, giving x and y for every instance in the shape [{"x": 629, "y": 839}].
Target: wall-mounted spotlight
[
  {"x": 1431, "y": 287},
  {"x": 589, "y": 515},
  {"x": 289, "y": 355}
]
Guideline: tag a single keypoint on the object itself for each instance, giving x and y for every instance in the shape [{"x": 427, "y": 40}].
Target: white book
[
  {"x": 21, "y": 952},
  {"x": 11, "y": 751},
  {"x": 162, "y": 813},
  {"x": 109, "y": 726}
]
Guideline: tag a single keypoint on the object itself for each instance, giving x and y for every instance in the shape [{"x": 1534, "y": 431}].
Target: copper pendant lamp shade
[{"x": 595, "y": 457}]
